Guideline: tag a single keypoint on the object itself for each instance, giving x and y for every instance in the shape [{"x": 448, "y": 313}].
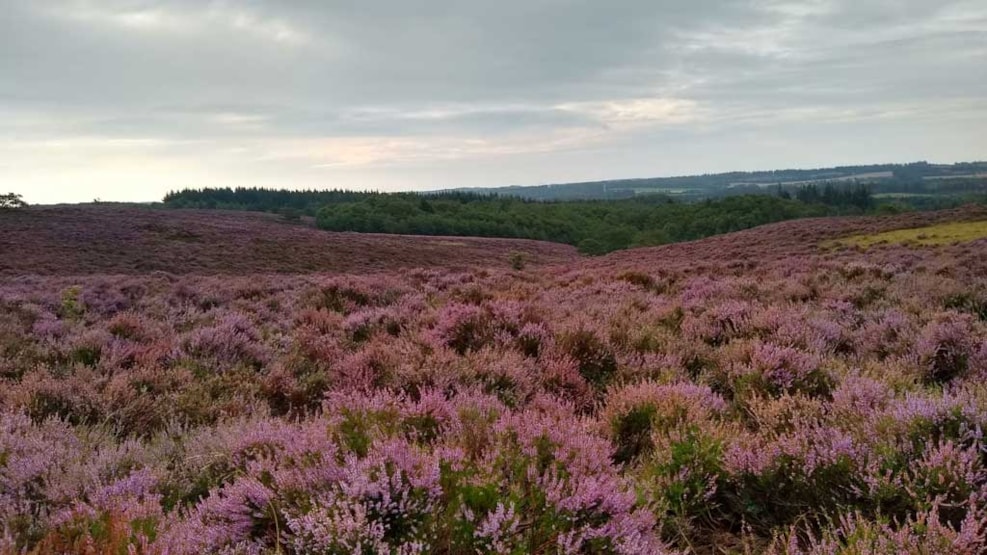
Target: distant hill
[{"x": 915, "y": 178}]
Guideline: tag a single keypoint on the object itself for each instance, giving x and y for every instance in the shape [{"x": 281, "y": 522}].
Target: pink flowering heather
[
  {"x": 757, "y": 391},
  {"x": 767, "y": 368},
  {"x": 634, "y": 413},
  {"x": 923, "y": 533},
  {"x": 232, "y": 339},
  {"x": 719, "y": 323},
  {"x": 945, "y": 346}
]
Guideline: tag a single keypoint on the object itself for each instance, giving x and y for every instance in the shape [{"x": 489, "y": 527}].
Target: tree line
[
  {"x": 855, "y": 195},
  {"x": 260, "y": 200}
]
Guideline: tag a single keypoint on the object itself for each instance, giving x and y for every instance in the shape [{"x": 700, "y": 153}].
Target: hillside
[
  {"x": 129, "y": 240},
  {"x": 789, "y": 241},
  {"x": 916, "y": 178},
  {"x": 806, "y": 387}
]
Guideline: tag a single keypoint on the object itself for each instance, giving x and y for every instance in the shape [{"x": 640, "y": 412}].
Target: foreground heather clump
[{"x": 774, "y": 397}]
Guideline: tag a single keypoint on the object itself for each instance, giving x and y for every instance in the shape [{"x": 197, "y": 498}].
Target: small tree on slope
[{"x": 10, "y": 201}]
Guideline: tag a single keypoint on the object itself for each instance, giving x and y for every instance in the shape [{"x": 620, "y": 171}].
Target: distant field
[
  {"x": 903, "y": 195},
  {"x": 856, "y": 177},
  {"x": 941, "y": 234},
  {"x": 647, "y": 191},
  {"x": 963, "y": 176}
]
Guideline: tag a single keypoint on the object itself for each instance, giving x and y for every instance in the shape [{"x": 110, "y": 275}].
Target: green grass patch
[{"x": 941, "y": 234}]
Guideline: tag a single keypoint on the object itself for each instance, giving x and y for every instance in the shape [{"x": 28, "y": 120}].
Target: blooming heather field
[
  {"x": 757, "y": 392},
  {"x": 110, "y": 239}
]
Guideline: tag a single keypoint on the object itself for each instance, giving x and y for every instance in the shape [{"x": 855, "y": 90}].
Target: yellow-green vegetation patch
[{"x": 940, "y": 234}]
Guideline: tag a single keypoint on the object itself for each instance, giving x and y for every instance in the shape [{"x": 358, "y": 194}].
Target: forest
[{"x": 594, "y": 227}]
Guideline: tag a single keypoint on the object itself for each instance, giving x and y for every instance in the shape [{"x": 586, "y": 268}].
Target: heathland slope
[
  {"x": 770, "y": 391},
  {"x": 100, "y": 239},
  {"x": 807, "y": 237}
]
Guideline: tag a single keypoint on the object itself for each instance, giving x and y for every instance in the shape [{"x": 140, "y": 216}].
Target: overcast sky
[{"x": 127, "y": 99}]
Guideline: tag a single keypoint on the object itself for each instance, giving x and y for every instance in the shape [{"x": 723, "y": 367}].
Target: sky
[{"x": 124, "y": 100}]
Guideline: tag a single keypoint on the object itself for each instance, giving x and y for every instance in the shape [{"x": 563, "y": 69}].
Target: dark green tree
[{"x": 10, "y": 201}]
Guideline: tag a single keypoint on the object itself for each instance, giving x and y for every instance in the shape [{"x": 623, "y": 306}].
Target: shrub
[
  {"x": 597, "y": 363},
  {"x": 682, "y": 478},
  {"x": 635, "y": 413},
  {"x": 950, "y": 478},
  {"x": 518, "y": 260},
  {"x": 234, "y": 338},
  {"x": 856, "y": 533},
  {"x": 11, "y": 201},
  {"x": 944, "y": 347},
  {"x": 464, "y": 327},
  {"x": 641, "y": 279},
  {"x": 70, "y": 307},
  {"x": 768, "y": 369},
  {"x": 290, "y": 214},
  {"x": 970, "y": 302}
]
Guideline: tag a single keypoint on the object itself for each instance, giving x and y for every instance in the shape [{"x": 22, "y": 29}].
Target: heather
[
  {"x": 135, "y": 239},
  {"x": 755, "y": 392}
]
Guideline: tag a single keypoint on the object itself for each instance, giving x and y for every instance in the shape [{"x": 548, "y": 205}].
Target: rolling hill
[
  {"x": 110, "y": 239},
  {"x": 919, "y": 177}
]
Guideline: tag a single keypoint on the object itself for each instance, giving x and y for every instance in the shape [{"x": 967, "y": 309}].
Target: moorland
[{"x": 192, "y": 381}]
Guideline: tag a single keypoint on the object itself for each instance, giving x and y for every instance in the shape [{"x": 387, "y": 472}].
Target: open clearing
[{"x": 940, "y": 234}]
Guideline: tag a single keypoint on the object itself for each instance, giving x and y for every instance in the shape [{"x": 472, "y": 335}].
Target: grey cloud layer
[{"x": 373, "y": 84}]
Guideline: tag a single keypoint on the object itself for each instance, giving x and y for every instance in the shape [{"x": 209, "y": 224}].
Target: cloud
[
  {"x": 637, "y": 111},
  {"x": 449, "y": 92},
  {"x": 175, "y": 18}
]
